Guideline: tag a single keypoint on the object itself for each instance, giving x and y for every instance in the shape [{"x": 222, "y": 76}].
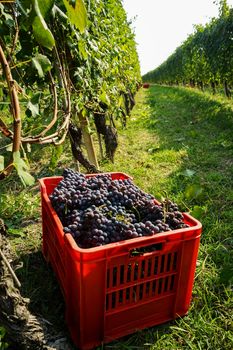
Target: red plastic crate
[{"x": 109, "y": 292}]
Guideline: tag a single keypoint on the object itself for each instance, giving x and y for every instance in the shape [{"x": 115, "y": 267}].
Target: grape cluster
[{"x": 98, "y": 210}]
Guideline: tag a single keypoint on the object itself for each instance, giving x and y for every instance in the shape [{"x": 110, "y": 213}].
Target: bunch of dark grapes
[
  {"x": 98, "y": 210},
  {"x": 172, "y": 215}
]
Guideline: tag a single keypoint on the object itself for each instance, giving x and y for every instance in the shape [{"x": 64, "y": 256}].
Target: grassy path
[{"x": 178, "y": 143}]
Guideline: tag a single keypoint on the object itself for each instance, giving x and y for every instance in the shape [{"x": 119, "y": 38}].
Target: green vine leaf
[
  {"x": 42, "y": 64},
  {"x": 56, "y": 155},
  {"x": 188, "y": 172},
  {"x": 77, "y": 14},
  {"x": 22, "y": 170},
  {"x": 82, "y": 49},
  {"x": 193, "y": 191},
  {"x": 105, "y": 98},
  {"x": 41, "y": 31},
  {"x": 9, "y": 147},
  {"x": 33, "y": 108},
  {"x": 198, "y": 211},
  {"x": 45, "y": 6},
  {"x": 9, "y": 21}
]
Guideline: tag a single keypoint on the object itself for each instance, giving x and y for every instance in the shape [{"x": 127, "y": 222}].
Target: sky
[{"x": 161, "y": 26}]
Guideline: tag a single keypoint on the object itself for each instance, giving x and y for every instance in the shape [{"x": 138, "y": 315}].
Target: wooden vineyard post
[
  {"x": 84, "y": 124},
  {"x": 100, "y": 146}
]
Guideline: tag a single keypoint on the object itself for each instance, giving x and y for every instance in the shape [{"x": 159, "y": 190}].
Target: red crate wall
[{"x": 109, "y": 291}]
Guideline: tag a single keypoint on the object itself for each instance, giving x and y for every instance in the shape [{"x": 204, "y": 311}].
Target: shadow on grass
[
  {"x": 206, "y": 106},
  {"x": 203, "y": 127},
  {"x": 40, "y": 285}
]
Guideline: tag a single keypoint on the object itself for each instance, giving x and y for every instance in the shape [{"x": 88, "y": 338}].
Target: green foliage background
[{"x": 90, "y": 41}]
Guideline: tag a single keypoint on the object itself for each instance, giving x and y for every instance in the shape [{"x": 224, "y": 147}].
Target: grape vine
[{"x": 65, "y": 64}]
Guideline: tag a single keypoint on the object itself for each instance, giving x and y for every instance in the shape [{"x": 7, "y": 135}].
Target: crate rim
[{"x": 134, "y": 242}]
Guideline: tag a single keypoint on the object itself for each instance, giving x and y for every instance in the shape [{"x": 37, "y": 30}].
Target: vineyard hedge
[{"x": 205, "y": 57}]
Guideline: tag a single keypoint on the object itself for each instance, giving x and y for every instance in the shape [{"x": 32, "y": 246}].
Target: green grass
[
  {"x": 178, "y": 144},
  {"x": 173, "y": 130}
]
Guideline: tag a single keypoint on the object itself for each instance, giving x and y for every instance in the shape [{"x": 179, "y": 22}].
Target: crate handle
[{"x": 147, "y": 249}]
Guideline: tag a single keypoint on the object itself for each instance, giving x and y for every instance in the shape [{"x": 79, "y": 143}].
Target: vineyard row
[{"x": 204, "y": 59}]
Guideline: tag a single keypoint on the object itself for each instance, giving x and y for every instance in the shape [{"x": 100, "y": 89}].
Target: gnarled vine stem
[{"x": 16, "y": 138}]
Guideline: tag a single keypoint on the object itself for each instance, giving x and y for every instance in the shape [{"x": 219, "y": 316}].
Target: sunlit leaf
[
  {"x": 77, "y": 14},
  {"x": 104, "y": 98},
  {"x": 188, "y": 172},
  {"x": 26, "y": 178},
  {"x": 193, "y": 191},
  {"x": 41, "y": 63},
  {"x": 45, "y": 6},
  {"x": 41, "y": 31},
  {"x": 19, "y": 162},
  {"x": 82, "y": 49},
  {"x": 121, "y": 101},
  {"x": 9, "y": 147},
  {"x": 33, "y": 109},
  {"x": 22, "y": 170},
  {"x": 198, "y": 211},
  {"x": 56, "y": 155},
  {"x": 42, "y": 34}
]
